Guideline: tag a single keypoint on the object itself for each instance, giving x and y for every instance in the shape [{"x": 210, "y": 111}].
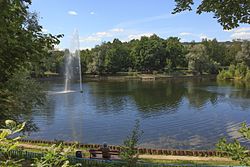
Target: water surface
[{"x": 183, "y": 114}]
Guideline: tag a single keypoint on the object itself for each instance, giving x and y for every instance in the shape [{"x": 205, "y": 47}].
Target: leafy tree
[
  {"x": 149, "y": 54},
  {"x": 85, "y": 59},
  {"x": 215, "y": 50},
  {"x": 175, "y": 52},
  {"x": 23, "y": 47},
  {"x": 198, "y": 59},
  {"x": 129, "y": 151},
  {"x": 234, "y": 149},
  {"x": 229, "y": 13},
  {"x": 244, "y": 54},
  {"x": 117, "y": 58},
  {"x": 22, "y": 42},
  {"x": 97, "y": 65},
  {"x": 18, "y": 95}
]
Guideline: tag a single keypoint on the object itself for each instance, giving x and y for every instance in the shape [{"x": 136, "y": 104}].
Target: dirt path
[{"x": 183, "y": 158}]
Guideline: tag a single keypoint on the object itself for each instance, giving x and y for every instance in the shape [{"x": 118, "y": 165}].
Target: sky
[{"x": 98, "y": 21}]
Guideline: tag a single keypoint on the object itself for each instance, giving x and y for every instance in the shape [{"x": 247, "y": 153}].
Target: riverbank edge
[
  {"x": 149, "y": 151},
  {"x": 140, "y": 77}
]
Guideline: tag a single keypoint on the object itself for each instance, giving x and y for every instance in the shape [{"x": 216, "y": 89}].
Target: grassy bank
[{"x": 159, "y": 159}]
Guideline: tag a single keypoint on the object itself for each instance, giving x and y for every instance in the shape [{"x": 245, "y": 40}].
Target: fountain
[{"x": 73, "y": 63}]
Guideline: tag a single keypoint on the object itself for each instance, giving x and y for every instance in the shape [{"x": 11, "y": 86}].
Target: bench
[{"x": 93, "y": 153}]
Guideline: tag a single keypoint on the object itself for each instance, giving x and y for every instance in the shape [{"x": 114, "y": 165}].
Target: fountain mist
[{"x": 73, "y": 63}]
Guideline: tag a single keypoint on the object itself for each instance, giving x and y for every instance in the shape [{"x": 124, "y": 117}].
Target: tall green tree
[
  {"x": 198, "y": 58},
  {"x": 117, "y": 58},
  {"x": 244, "y": 54},
  {"x": 215, "y": 50},
  {"x": 23, "y": 47},
  {"x": 175, "y": 52},
  {"x": 149, "y": 54}
]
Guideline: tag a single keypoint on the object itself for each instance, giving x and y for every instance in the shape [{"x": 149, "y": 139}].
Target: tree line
[{"x": 153, "y": 53}]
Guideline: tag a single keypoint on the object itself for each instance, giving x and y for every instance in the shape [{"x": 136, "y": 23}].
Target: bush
[
  {"x": 247, "y": 77},
  {"x": 231, "y": 69},
  {"x": 223, "y": 75},
  {"x": 241, "y": 70},
  {"x": 129, "y": 152}
]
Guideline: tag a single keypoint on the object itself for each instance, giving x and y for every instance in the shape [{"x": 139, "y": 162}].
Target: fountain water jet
[{"x": 73, "y": 63}]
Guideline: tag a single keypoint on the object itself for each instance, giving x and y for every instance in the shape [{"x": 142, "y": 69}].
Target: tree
[
  {"x": 175, "y": 52},
  {"x": 229, "y": 13},
  {"x": 117, "y": 58},
  {"x": 149, "y": 54},
  {"x": 215, "y": 50},
  {"x": 23, "y": 47},
  {"x": 197, "y": 58},
  {"x": 243, "y": 56},
  {"x": 97, "y": 65}
]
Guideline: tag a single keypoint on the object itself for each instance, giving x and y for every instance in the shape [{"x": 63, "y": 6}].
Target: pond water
[{"x": 181, "y": 114}]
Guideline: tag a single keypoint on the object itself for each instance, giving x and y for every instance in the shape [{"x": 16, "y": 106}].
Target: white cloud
[
  {"x": 138, "y": 36},
  {"x": 185, "y": 33},
  {"x": 117, "y": 30},
  {"x": 73, "y": 13},
  {"x": 92, "y": 13},
  {"x": 243, "y": 29},
  {"x": 241, "y": 33},
  {"x": 100, "y": 36}
]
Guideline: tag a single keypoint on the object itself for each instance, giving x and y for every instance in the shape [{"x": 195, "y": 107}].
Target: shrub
[
  {"x": 247, "y": 77},
  {"x": 223, "y": 75},
  {"x": 129, "y": 152},
  {"x": 241, "y": 70},
  {"x": 231, "y": 69},
  {"x": 8, "y": 144}
]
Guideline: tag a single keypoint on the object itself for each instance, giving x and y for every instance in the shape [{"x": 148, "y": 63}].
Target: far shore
[{"x": 142, "y": 77}]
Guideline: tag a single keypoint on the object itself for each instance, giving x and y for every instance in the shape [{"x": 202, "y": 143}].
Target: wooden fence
[{"x": 204, "y": 153}]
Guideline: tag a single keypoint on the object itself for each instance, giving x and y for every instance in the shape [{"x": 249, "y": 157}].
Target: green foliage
[
  {"x": 216, "y": 51},
  {"x": 8, "y": 144},
  {"x": 229, "y": 13},
  {"x": 224, "y": 74},
  {"x": 168, "y": 67},
  {"x": 117, "y": 57},
  {"x": 234, "y": 149},
  {"x": 129, "y": 151},
  {"x": 149, "y": 54},
  {"x": 247, "y": 77},
  {"x": 24, "y": 47},
  {"x": 241, "y": 70},
  {"x": 243, "y": 56},
  {"x": 198, "y": 59},
  {"x": 19, "y": 94},
  {"x": 175, "y": 52},
  {"x": 55, "y": 156}
]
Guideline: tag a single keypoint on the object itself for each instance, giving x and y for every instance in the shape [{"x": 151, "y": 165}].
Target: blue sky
[{"x": 98, "y": 21}]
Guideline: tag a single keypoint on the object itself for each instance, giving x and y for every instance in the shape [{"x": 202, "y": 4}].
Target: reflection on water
[{"x": 187, "y": 114}]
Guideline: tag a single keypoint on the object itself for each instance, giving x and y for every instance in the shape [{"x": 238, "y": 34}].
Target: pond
[{"x": 180, "y": 114}]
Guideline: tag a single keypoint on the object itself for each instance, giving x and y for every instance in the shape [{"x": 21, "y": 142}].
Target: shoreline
[
  {"x": 141, "y": 151},
  {"x": 139, "y": 77}
]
